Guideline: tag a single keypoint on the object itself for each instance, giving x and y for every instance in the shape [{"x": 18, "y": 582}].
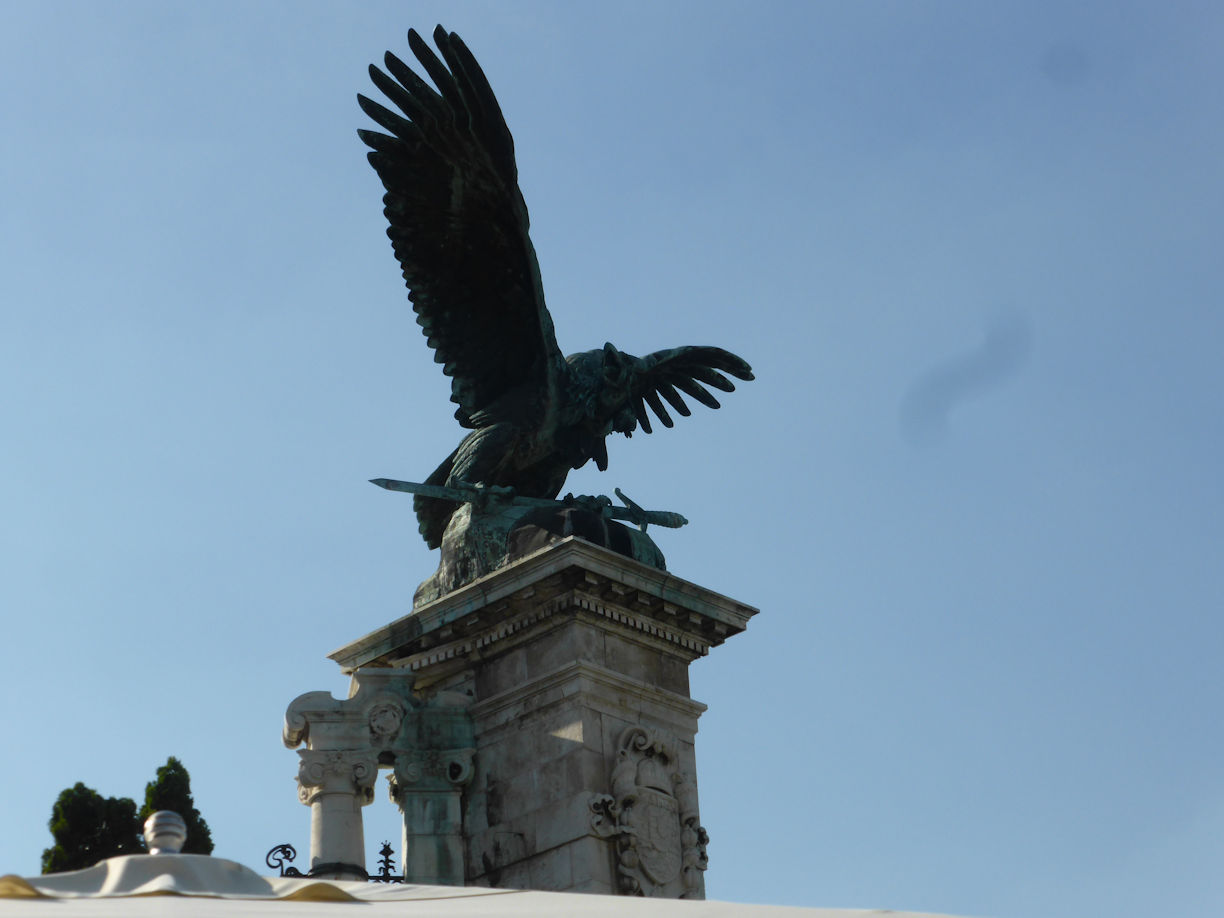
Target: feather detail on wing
[
  {"x": 459, "y": 226},
  {"x": 686, "y": 370}
]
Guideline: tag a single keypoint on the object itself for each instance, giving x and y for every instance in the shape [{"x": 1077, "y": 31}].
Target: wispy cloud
[{"x": 929, "y": 400}]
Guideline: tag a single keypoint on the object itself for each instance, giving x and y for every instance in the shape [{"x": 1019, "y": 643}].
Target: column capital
[
  {"x": 334, "y": 771},
  {"x": 371, "y": 717},
  {"x": 431, "y": 770}
]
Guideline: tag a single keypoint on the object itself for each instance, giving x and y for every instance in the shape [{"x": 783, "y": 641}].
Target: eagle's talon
[{"x": 591, "y": 503}]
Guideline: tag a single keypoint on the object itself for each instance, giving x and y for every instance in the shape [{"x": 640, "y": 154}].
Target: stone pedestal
[{"x": 575, "y": 660}]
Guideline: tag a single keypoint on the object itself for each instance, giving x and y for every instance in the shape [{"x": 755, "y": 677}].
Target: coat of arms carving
[{"x": 652, "y": 815}]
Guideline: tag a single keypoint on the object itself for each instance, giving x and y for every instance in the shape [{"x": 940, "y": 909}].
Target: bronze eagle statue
[{"x": 459, "y": 229}]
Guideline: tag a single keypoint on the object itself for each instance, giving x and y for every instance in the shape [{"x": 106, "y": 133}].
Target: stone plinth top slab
[{"x": 572, "y": 573}]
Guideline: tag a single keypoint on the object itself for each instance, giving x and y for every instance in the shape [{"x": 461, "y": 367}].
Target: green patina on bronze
[{"x": 459, "y": 229}]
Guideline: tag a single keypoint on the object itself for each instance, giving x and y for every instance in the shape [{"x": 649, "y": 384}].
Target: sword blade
[{"x": 470, "y": 494}]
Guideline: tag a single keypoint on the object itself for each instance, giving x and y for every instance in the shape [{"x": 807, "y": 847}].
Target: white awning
[{"x": 196, "y": 885}]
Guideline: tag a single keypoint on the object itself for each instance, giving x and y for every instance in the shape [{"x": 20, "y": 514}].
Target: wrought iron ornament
[
  {"x": 277, "y": 857},
  {"x": 386, "y": 866},
  {"x": 281, "y": 857}
]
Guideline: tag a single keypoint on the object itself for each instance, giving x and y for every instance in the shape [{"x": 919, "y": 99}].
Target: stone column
[
  {"x": 336, "y": 785},
  {"x": 427, "y": 741},
  {"x": 433, "y": 764},
  {"x": 428, "y": 788},
  {"x": 345, "y": 743}
]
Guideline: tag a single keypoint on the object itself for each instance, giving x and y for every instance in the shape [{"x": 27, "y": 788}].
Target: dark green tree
[
  {"x": 88, "y": 828},
  {"x": 171, "y": 790}
]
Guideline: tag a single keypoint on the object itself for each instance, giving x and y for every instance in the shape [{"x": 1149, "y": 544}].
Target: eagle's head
[
  {"x": 619, "y": 369},
  {"x": 602, "y": 385}
]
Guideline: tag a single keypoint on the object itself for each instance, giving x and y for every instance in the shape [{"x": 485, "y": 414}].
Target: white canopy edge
[{"x": 192, "y": 884}]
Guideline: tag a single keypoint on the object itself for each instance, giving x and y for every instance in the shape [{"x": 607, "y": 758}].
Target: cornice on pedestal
[{"x": 572, "y": 574}]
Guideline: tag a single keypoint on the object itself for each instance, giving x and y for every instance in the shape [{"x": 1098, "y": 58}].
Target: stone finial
[{"x": 165, "y": 832}]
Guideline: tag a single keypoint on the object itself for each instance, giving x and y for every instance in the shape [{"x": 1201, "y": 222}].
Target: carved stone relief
[{"x": 652, "y": 815}]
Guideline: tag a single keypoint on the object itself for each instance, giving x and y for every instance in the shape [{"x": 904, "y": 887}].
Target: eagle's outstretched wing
[
  {"x": 685, "y": 369},
  {"x": 459, "y": 226}
]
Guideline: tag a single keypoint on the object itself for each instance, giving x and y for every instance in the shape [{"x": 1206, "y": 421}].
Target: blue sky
[{"x": 971, "y": 251}]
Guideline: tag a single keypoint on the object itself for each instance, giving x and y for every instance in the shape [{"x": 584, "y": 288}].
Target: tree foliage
[
  {"x": 88, "y": 827},
  {"x": 171, "y": 790}
]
